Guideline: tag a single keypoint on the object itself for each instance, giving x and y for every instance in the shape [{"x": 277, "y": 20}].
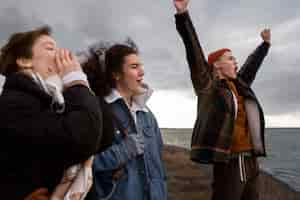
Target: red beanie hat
[{"x": 214, "y": 56}]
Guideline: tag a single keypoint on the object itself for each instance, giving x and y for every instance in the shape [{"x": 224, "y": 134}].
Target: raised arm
[
  {"x": 199, "y": 68},
  {"x": 250, "y": 68}
]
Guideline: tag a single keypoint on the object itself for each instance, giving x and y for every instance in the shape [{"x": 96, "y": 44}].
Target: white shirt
[{"x": 2, "y": 82}]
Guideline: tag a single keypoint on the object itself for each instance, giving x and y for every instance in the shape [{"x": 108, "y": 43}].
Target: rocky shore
[{"x": 191, "y": 181}]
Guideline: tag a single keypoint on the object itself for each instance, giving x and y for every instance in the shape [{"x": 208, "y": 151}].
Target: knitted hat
[{"x": 214, "y": 56}]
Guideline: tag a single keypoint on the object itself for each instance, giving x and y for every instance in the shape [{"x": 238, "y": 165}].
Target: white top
[
  {"x": 235, "y": 104},
  {"x": 2, "y": 82}
]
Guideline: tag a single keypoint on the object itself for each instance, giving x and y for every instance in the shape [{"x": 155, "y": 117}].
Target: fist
[
  {"x": 266, "y": 35},
  {"x": 181, "y": 5}
]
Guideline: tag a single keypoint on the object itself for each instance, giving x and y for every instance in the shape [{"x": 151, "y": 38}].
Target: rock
[{"x": 188, "y": 180}]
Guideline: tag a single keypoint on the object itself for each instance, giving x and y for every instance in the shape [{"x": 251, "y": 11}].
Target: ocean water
[{"x": 283, "y": 151}]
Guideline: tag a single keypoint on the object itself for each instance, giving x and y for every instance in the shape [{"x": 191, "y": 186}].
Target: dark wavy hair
[
  {"x": 102, "y": 61},
  {"x": 99, "y": 63},
  {"x": 19, "y": 45}
]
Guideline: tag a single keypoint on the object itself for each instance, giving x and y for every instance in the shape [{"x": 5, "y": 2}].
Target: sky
[{"x": 234, "y": 24}]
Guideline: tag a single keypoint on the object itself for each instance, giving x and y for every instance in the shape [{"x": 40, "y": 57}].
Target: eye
[
  {"x": 50, "y": 48},
  {"x": 134, "y": 66}
]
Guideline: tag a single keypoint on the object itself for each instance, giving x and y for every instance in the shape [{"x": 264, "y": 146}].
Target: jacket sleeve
[
  {"x": 249, "y": 69},
  {"x": 112, "y": 158},
  {"x": 199, "y": 68},
  {"x": 72, "y": 136}
]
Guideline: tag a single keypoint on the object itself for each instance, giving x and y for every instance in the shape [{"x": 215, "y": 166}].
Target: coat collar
[
  {"x": 138, "y": 103},
  {"x": 24, "y": 83}
]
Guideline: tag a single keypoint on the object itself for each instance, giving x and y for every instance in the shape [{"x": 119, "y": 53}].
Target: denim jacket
[{"x": 143, "y": 176}]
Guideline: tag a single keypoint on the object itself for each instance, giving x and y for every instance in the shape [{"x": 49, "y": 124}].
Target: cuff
[
  {"x": 74, "y": 76},
  {"x": 182, "y": 16}
]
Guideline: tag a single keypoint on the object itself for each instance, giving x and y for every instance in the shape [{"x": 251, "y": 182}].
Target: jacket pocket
[
  {"x": 114, "y": 182},
  {"x": 148, "y": 131}
]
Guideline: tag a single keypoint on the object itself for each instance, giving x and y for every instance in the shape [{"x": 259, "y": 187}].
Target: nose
[
  {"x": 235, "y": 63},
  {"x": 141, "y": 71}
]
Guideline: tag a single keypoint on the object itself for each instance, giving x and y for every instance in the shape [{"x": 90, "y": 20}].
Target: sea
[{"x": 283, "y": 152}]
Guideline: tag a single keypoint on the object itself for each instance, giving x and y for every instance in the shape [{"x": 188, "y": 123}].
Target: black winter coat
[{"x": 37, "y": 144}]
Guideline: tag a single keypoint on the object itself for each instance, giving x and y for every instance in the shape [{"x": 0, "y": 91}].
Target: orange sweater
[{"x": 241, "y": 136}]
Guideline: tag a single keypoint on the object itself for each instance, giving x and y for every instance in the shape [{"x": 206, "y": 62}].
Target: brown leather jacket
[{"x": 213, "y": 130}]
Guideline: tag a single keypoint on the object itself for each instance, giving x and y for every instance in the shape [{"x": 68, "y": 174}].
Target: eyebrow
[
  {"x": 49, "y": 43},
  {"x": 136, "y": 64}
]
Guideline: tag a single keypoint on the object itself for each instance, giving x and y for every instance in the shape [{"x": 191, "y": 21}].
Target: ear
[
  {"x": 217, "y": 65},
  {"x": 24, "y": 63}
]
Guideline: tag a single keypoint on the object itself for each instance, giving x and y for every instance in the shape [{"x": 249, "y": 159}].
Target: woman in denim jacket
[{"x": 132, "y": 167}]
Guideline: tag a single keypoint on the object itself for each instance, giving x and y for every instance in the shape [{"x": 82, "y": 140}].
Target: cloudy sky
[{"x": 233, "y": 24}]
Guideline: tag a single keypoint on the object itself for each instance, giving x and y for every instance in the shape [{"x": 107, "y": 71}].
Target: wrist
[
  {"x": 181, "y": 11},
  {"x": 74, "y": 76}
]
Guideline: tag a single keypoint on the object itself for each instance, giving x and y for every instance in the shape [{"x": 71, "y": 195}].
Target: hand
[
  {"x": 66, "y": 62},
  {"x": 181, "y": 5},
  {"x": 266, "y": 35},
  {"x": 39, "y": 194}
]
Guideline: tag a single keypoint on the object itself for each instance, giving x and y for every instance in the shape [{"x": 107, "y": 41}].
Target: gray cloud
[{"x": 233, "y": 24}]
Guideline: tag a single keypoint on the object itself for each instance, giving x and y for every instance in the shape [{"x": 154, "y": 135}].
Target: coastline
[{"x": 189, "y": 180}]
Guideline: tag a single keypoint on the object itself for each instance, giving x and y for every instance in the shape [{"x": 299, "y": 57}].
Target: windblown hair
[
  {"x": 19, "y": 45},
  {"x": 99, "y": 63},
  {"x": 102, "y": 61}
]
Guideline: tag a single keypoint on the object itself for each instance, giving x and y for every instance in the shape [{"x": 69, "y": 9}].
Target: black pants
[{"x": 236, "y": 180}]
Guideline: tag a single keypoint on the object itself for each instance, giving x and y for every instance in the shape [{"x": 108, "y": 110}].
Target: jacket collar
[
  {"x": 24, "y": 83},
  {"x": 138, "y": 103}
]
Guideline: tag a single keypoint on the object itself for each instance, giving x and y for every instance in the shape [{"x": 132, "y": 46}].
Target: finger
[
  {"x": 62, "y": 57},
  {"x": 59, "y": 66},
  {"x": 73, "y": 57},
  {"x": 75, "y": 61},
  {"x": 67, "y": 56}
]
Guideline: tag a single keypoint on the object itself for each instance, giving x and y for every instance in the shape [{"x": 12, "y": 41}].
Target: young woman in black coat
[{"x": 43, "y": 134}]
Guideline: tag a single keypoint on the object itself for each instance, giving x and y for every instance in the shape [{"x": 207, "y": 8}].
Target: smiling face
[
  {"x": 130, "y": 81},
  {"x": 226, "y": 66}
]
